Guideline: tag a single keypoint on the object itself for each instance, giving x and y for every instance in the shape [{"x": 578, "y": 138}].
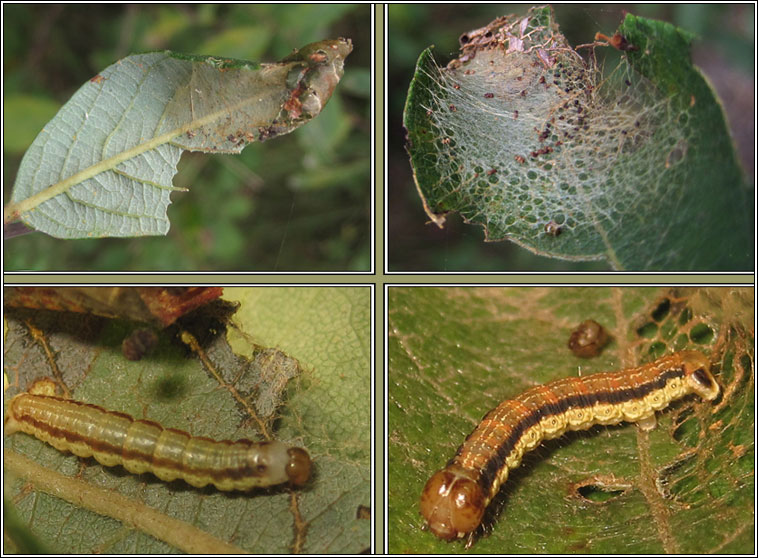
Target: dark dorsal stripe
[{"x": 579, "y": 401}]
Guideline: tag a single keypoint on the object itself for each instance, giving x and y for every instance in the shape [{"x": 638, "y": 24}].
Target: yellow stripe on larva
[
  {"x": 144, "y": 446},
  {"x": 454, "y": 499}
]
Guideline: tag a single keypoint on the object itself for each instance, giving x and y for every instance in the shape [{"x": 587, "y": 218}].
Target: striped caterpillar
[
  {"x": 455, "y": 498},
  {"x": 144, "y": 446}
]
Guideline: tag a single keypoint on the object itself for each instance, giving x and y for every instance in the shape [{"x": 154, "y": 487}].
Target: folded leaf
[
  {"x": 527, "y": 137},
  {"x": 104, "y": 165}
]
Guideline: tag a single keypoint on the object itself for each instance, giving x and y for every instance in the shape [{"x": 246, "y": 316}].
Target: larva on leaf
[
  {"x": 144, "y": 446},
  {"x": 455, "y": 498}
]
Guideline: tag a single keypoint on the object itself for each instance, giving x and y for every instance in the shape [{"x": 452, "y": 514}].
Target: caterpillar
[
  {"x": 455, "y": 498},
  {"x": 144, "y": 446}
]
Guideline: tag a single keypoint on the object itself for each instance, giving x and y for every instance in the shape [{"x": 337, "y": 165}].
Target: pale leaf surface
[{"x": 104, "y": 165}]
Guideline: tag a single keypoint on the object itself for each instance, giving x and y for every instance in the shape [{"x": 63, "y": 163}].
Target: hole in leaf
[
  {"x": 701, "y": 334},
  {"x": 662, "y": 310}
]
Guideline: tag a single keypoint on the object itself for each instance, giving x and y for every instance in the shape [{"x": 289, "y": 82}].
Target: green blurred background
[
  {"x": 299, "y": 202},
  {"x": 723, "y": 51}
]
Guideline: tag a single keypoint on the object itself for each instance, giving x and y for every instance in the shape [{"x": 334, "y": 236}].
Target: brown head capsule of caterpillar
[
  {"x": 455, "y": 498},
  {"x": 452, "y": 503}
]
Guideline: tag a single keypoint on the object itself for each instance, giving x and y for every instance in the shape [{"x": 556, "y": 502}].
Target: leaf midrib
[{"x": 15, "y": 210}]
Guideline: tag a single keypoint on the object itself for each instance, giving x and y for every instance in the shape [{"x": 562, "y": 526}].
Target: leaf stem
[{"x": 16, "y": 228}]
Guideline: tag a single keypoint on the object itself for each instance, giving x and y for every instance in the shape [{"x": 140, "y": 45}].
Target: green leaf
[
  {"x": 455, "y": 353},
  {"x": 525, "y": 137},
  {"x": 325, "y": 409},
  {"x": 103, "y": 166}
]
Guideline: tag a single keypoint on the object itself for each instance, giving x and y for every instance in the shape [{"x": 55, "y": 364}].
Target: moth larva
[
  {"x": 144, "y": 446},
  {"x": 454, "y": 499}
]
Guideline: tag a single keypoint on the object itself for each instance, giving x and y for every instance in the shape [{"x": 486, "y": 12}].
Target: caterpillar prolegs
[
  {"x": 144, "y": 446},
  {"x": 455, "y": 498}
]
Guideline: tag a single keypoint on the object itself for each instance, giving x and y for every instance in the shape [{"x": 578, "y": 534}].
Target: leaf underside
[
  {"x": 526, "y": 137},
  {"x": 104, "y": 165},
  {"x": 318, "y": 401}
]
